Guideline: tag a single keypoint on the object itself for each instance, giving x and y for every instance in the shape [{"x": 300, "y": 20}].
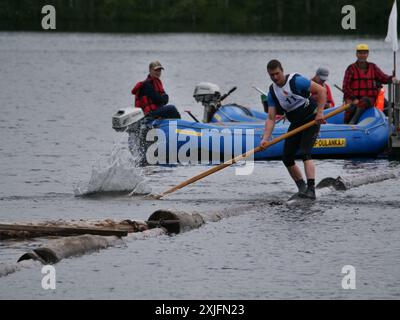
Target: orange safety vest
[{"x": 380, "y": 100}]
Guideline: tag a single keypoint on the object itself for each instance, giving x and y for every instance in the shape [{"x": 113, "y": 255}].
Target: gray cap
[
  {"x": 155, "y": 65},
  {"x": 323, "y": 73}
]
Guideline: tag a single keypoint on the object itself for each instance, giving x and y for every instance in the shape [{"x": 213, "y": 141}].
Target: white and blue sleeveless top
[{"x": 293, "y": 95}]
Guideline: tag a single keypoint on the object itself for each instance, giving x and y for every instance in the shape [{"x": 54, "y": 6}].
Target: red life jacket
[
  {"x": 144, "y": 102},
  {"x": 364, "y": 84},
  {"x": 329, "y": 98}
]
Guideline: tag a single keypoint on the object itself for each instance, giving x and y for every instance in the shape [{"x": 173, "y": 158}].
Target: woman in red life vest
[
  {"x": 361, "y": 82},
  {"x": 321, "y": 76},
  {"x": 151, "y": 97}
]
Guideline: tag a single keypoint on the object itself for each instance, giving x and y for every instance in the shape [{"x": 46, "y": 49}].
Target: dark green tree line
[{"x": 264, "y": 16}]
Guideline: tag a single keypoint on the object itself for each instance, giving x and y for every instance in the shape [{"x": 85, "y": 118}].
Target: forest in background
[{"x": 220, "y": 16}]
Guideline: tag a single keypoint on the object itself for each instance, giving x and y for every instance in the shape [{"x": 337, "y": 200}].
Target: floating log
[
  {"x": 346, "y": 183},
  {"x": 159, "y": 223},
  {"x": 176, "y": 222},
  {"x": 58, "y": 249},
  {"x": 55, "y": 250},
  {"x": 39, "y": 230},
  {"x": 335, "y": 183}
]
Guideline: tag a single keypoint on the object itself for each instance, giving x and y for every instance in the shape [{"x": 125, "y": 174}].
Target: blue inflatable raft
[{"x": 234, "y": 130}]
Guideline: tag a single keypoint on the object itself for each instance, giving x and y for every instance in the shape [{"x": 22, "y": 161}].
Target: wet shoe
[
  {"x": 301, "y": 185},
  {"x": 309, "y": 194},
  {"x": 302, "y": 189},
  {"x": 297, "y": 195}
]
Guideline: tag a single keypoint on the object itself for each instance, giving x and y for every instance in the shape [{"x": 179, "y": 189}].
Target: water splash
[
  {"x": 116, "y": 174},
  {"x": 9, "y": 268}
]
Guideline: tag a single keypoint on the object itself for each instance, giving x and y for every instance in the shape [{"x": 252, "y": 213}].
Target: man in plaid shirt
[{"x": 361, "y": 81}]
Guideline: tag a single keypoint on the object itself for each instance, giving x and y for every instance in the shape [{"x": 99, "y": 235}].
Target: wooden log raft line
[{"x": 38, "y": 230}]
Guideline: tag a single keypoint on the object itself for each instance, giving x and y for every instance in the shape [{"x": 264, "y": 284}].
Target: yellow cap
[{"x": 362, "y": 47}]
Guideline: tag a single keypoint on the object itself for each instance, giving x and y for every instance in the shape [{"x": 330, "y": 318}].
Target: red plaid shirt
[{"x": 380, "y": 76}]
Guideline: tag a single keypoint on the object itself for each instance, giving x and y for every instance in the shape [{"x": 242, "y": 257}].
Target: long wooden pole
[
  {"x": 62, "y": 231},
  {"x": 249, "y": 153}
]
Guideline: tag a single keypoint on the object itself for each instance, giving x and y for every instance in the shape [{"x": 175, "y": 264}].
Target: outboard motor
[
  {"x": 132, "y": 121},
  {"x": 208, "y": 94},
  {"x": 210, "y": 97},
  {"x": 127, "y": 118}
]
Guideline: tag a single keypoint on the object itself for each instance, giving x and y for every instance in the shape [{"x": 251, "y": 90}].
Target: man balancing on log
[{"x": 291, "y": 94}]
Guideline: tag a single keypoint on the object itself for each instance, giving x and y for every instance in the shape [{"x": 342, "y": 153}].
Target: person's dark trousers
[
  {"x": 165, "y": 112},
  {"x": 353, "y": 114}
]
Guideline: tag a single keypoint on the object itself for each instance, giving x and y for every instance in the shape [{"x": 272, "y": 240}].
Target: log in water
[
  {"x": 58, "y": 249},
  {"x": 176, "y": 222},
  {"x": 346, "y": 183},
  {"x": 30, "y": 231},
  {"x": 168, "y": 222}
]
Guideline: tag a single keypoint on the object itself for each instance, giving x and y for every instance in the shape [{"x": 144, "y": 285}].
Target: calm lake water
[{"x": 57, "y": 95}]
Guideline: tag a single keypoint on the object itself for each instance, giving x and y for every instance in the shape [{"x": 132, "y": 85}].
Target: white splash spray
[{"x": 117, "y": 173}]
